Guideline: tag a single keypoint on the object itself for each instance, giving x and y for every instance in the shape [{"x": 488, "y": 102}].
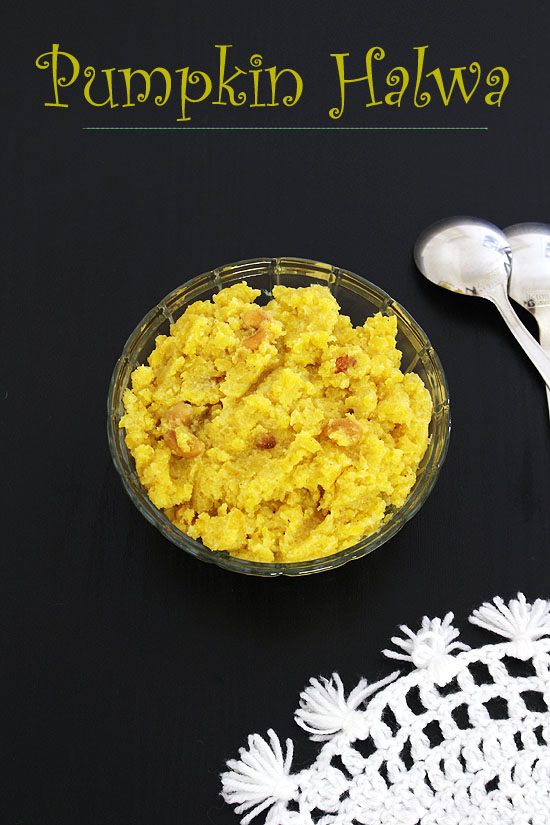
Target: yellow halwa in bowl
[{"x": 278, "y": 416}]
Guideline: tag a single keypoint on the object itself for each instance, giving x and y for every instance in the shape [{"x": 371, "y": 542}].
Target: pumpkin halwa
[{"x": 278, "y": 433}]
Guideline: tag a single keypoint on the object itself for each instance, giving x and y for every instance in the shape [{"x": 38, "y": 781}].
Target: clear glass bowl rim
[{"x": 124, "y": 463}]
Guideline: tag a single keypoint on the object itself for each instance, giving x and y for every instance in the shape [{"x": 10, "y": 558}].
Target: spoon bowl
[
  {"x": 473, "y": 257},
  {"x": 464, "y": 254},
  {"x": 530, "y": 279}
]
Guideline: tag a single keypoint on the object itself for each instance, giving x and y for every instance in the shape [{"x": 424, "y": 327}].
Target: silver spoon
[
  {"x": 471, "y": 256},
  {"x": 530, "y": 279}
]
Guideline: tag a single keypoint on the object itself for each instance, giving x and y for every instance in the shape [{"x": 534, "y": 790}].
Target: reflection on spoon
[
  {"x": 472, "y": 256},
  {"x": 530, "y": 280}
]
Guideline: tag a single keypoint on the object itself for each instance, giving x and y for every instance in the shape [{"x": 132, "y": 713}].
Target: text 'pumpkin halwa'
[{"x": 278, "y": 433}]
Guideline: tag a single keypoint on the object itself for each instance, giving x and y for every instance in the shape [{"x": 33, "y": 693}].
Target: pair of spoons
[{"x": 474, "y": 257}]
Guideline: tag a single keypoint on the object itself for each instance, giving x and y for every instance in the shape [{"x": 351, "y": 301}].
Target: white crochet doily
[{"x": 463, "y": 739}]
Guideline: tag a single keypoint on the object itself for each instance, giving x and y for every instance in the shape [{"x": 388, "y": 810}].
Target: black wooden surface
[{"x": 132, "y": 670}]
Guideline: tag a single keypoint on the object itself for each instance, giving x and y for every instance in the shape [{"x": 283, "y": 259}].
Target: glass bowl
[{"x": 358, "y": 298}]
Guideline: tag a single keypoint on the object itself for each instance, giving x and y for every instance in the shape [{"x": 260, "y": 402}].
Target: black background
[{"x": 133, "y": 670}]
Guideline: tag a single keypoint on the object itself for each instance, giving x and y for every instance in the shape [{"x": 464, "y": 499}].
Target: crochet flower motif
[
  {"x": 430, "y": 648},
  {"x": 260, "y": 778},
  {"x": 518, "y": 621},
  {"x": 464, "y": 737},
  {"x": 324, "y": 711}
]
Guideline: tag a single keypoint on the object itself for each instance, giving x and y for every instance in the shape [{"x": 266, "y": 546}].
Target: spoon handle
[
  {"x": 543, "y": 320},
  {"x": 498, "y": 295}
]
